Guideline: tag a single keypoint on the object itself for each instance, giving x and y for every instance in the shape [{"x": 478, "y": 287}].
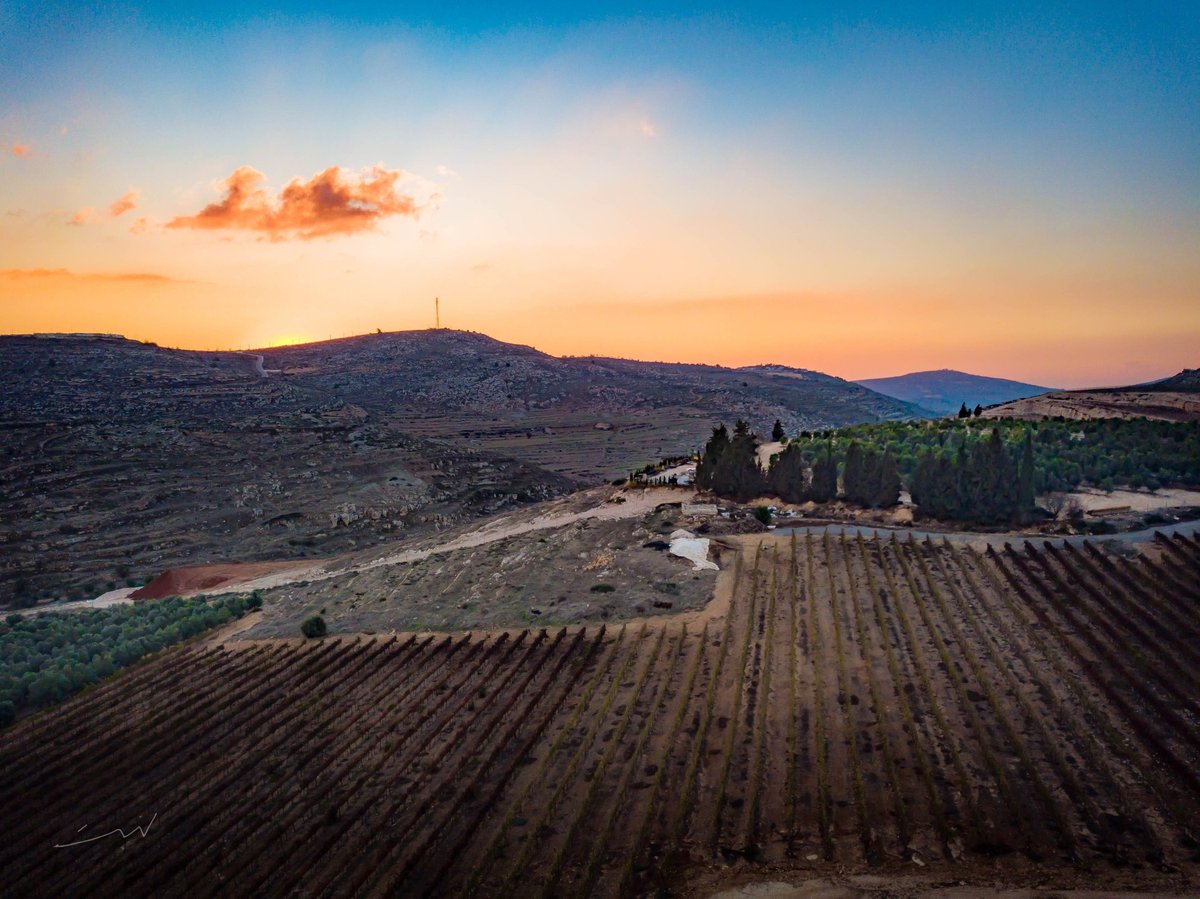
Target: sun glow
[{"x": 288, "y": 340}]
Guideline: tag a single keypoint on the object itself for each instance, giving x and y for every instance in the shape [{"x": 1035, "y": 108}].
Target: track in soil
[{"x": 861, "y": 703}]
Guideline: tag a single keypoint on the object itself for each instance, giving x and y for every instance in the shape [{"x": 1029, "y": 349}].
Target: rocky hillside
[
  {"x": 119, "y": 459},
  {"x": 590, "y": 417}
]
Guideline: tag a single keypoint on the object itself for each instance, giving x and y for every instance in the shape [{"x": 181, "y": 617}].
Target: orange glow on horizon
[{"x": 288, "y": 340}]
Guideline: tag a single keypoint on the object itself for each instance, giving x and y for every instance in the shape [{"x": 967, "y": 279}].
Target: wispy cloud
[
  {"x": 123, "y": 203},
  {"x": 333, "y": 202},
  {"x": 84, "y": 216},
  {"x": 19, "y": 149},
  {"x": 46, "y": 274}
]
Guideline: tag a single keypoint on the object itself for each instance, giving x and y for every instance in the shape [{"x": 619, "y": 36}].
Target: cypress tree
[
  {"x": 713, "y": 450},
  {"x": 852, "y": 474},
  {"x": 738, "y": 475},
  {"x": 888, "y": 492},
  {"x": 963, "y": 411},
  {"x": 869, "y": 483},
  {"x": 1025, "y": 494},
  {"x": 786, "y": 477},
  {"x": 824, "y": 477},
  {"x": 777, "y": 431}
]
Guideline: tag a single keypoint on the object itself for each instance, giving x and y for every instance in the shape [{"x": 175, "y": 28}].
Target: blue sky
[{"x": 965, "y": 166}]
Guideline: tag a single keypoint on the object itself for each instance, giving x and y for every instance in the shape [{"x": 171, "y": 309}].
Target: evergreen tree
[
  {"x": 963, "y": 411},
  {"x": 786, "y": 479},
  {"x": 1025, "y": 491},
  {"x": 978, "y": 410},
  {"x": 869, "y": 484},
  {"x": 888, "y": 491},
  {"x": 777, "y": 431},
  {"x": 852, "y": 474},
  {"x": 737, "y": 474},
  {"x": 824, "y": 477},
  {"x": 717, "y": 444}
]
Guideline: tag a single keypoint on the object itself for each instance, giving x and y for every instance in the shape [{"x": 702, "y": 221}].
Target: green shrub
[
  {"x": 763, "y": 514},
  {"x": 313, "y": 627},
  {"x": 603, "y": 588}
]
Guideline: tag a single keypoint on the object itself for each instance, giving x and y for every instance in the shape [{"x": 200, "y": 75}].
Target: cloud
[
  {"x": 83, "y": 216},
  {"x": 46, "y": 274},
  {"x": 123, "y": 203},
  {"x": 140, "y": 226},
  {"x": 331, "y": 203},
  {"x": 648, "y": 129},
  {"x": 21, "y": 150},
  {"x": 445, "y": 171}
]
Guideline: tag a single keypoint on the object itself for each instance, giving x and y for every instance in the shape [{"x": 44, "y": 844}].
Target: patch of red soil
[{"x": 204, "y": 578}]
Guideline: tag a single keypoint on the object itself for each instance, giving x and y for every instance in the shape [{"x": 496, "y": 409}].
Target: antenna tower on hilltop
[{"x": 437, "y": 313}]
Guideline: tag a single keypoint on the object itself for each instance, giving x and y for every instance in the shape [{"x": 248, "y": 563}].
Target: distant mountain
[{"x": 944, "y": 391}]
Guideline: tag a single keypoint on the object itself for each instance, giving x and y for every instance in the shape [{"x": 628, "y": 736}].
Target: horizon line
[{"x": 379, "y": 333}]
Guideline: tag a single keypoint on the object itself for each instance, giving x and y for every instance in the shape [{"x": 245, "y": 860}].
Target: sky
[{"x": 1008, "y": 189}]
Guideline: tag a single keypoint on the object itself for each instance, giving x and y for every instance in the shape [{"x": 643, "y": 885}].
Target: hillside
[
  {"x": 119, "y": 459},
  {"x": 588, "y": 417},
  {"x": 944, "y": 391},
  {"x": 1176, "y": 398}
]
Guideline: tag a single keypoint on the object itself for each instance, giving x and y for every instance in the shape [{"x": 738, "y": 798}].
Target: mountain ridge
[{"x": 943, "y": 391}]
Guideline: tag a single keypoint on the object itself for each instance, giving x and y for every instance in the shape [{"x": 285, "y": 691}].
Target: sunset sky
[{"x": 1012, "y": 191}]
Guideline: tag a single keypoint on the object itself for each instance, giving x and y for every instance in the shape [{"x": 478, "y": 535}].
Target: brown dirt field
[
  {"x": 887, "y": 717},
  {"x": 209, "y": 578}
]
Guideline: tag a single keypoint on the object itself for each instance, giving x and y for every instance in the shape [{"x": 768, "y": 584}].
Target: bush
[
  {"x": 313, "y": 627},
  {"x": 603, "y": 588},
  {"x": 255, "y": 601},
  {"x": 763, "y": 514}
]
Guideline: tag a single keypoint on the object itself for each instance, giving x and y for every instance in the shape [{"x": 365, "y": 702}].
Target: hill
[
  {"x": 588, "y": 417},
  {"x": 119, "y": 459},
  {"x": 944, "y": 391},
  {"x": 1176, "y": 398}
]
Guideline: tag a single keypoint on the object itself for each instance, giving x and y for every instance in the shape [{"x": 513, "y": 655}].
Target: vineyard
[{"x": 842, "y": 704}]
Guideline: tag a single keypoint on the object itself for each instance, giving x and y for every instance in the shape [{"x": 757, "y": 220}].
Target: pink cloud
[
  {"x": 331, "y": 203},
  {"x": 83, "y": 216},
  {"x": 123, "y": 203},
  {"x": 21, "y": 150},
  {"x": 44, "y": 274}
]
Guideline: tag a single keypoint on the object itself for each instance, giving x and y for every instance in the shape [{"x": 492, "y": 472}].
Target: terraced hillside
[
  {"x": 844, "y": 704},
  {"x": 119, "y": 459},
  {"x": 544, "y": 409}
]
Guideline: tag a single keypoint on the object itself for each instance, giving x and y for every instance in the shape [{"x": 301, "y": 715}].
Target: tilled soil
[{"x": 1022, "y": 717}]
